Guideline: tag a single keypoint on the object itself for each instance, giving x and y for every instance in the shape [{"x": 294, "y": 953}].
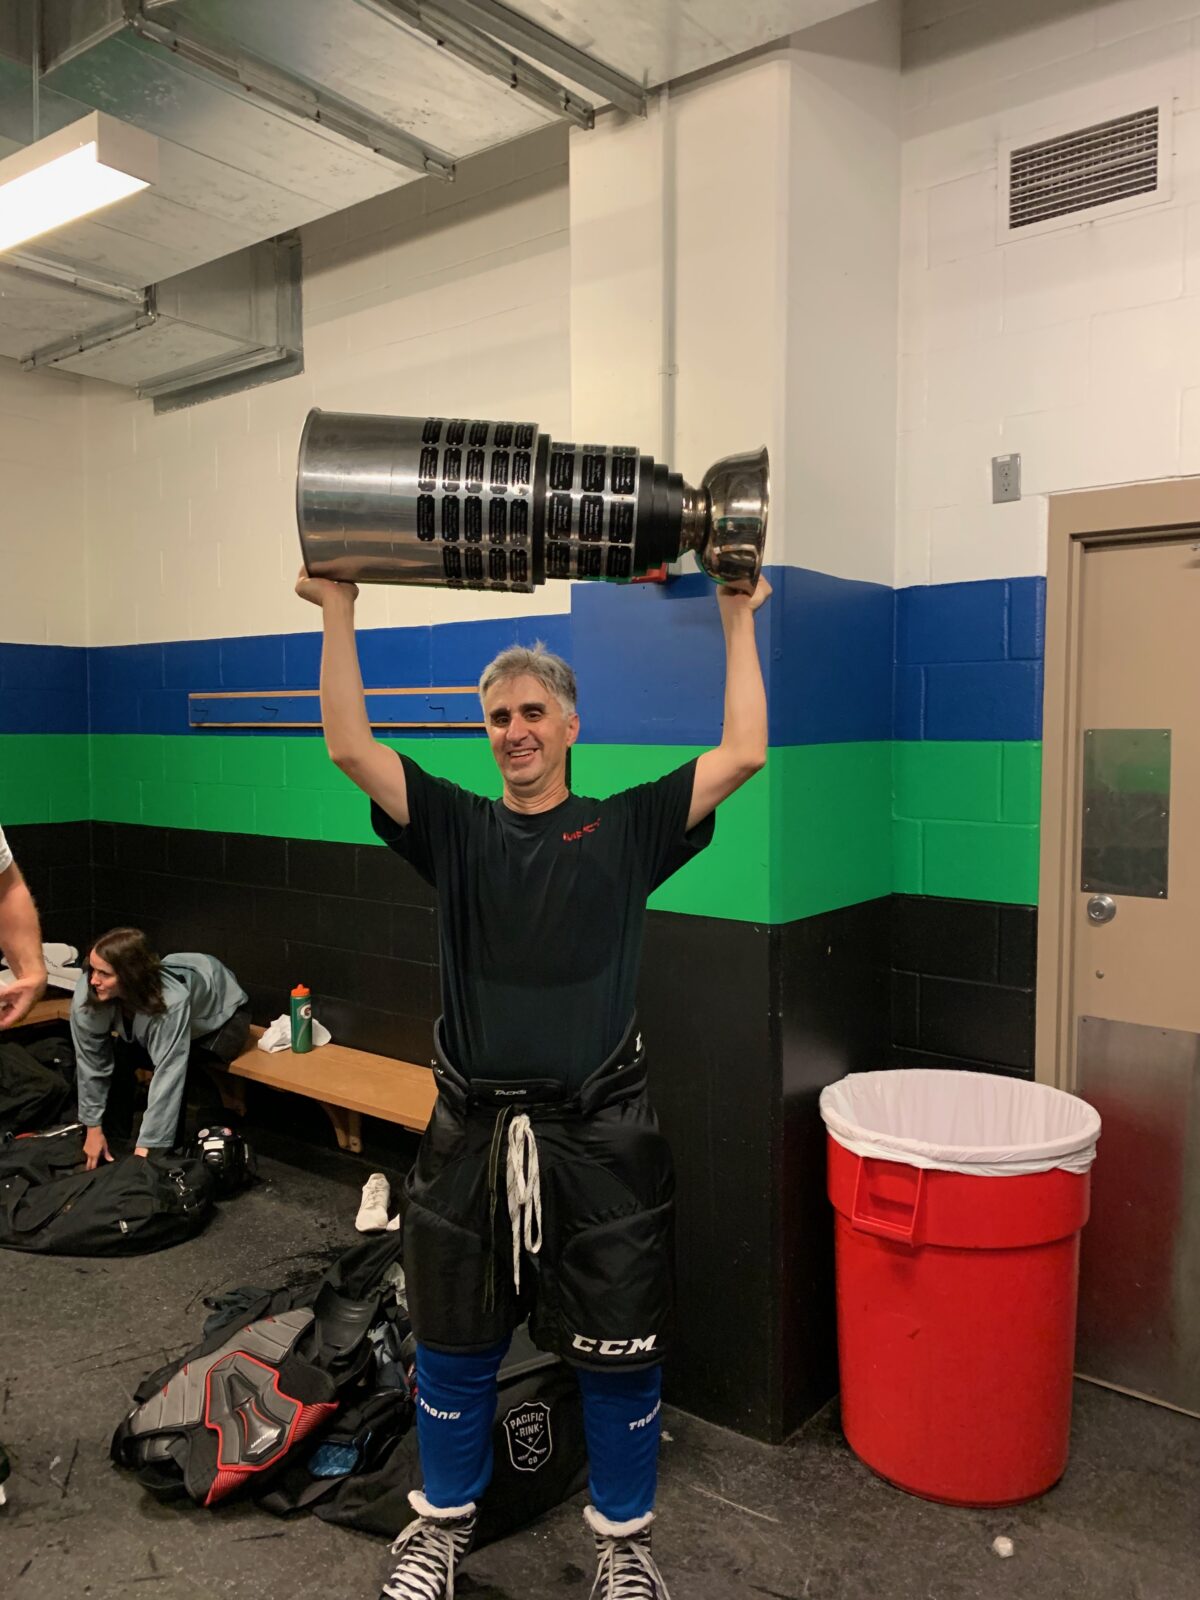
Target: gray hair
[{"x": 518, "y": 661}]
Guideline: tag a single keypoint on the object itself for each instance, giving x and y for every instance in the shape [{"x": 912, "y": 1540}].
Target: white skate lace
[
  {"x": 429, "y": 1551},
  {"x": 627, "y": 1571},
  {"x": 524, "y": 1192}
]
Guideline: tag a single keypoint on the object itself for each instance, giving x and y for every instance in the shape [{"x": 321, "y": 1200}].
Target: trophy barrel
[
  {"x": 468, "y": 504},
  {"x": 422, "y": 500}
]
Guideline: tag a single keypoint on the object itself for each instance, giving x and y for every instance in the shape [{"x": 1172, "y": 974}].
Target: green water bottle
[{"x": 301, "y": 1019}]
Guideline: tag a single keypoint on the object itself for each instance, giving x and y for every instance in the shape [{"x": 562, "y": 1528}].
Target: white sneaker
[
  {"x": 373, "y": 1212},
  {"x": 394, "y": 1224}
]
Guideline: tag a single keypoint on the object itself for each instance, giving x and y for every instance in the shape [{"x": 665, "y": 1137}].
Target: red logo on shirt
[{"x": 588, "y": 827}]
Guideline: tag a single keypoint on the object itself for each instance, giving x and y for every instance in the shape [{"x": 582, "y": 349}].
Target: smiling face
[
  {"x": 104, "y": 981},
  {"x": 530, "y": 735}
]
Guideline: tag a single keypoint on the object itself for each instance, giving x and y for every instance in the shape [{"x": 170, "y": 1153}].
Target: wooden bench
[
  {"x": 54, "y": 1008},
  {"x": 346, "y": 1083}
]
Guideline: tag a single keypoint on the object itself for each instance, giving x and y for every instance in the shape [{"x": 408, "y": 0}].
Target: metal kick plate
[
  {"x": 1126, "y": 811},
  {"x": 1139, "y": 1295}
]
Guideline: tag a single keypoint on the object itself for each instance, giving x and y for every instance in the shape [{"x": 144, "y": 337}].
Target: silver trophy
[{"x": 497, "y": 505}]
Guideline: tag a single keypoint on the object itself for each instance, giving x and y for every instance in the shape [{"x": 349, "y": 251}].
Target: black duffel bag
[
  {"x": 32, "y": 1094},
  {"x": 49, "y": 1205},
  {"x": 539, "y": 1456}
]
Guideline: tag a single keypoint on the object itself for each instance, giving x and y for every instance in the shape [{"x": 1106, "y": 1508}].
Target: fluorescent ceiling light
[{"x": 71, "y": 174}]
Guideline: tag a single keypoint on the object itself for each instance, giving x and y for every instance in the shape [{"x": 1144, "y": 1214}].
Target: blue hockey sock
[
  {"x": 621, "y": 1417},
  {"x": 456, "y": 1405}
]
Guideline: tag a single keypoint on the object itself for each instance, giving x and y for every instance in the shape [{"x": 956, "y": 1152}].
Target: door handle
[{"x": 1101, "y": 908}]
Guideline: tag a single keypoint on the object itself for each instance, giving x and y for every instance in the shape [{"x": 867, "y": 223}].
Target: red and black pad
[
  {"x": 230, "y": 1415},
  {"x": 257, "y": 1420}
]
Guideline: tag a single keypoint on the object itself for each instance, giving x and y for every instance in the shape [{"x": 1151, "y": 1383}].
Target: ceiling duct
[
  {"x": 200, "y": 334},
  {"x": 274, "y": 113}
]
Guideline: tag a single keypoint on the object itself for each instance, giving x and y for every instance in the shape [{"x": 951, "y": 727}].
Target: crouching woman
[{"x": 173, "y": 1013}]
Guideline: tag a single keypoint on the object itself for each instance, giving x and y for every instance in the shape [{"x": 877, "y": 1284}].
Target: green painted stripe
[
  {"x": 44, "y": 778},
  {"x": 965, "y": 819},
  {"x": 824, "y": 826},
  {"x": 831, "y": 843},
  {"x": 730, "y": 879},
  {"x": 289, "y": 787},
  {"x": 280, "y": 785}
]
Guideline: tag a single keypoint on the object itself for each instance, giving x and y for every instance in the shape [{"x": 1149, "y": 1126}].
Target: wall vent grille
[{"x": 1089, "y": 167}]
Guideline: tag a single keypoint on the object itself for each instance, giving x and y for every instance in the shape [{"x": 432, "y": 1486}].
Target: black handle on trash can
[{"x": 900, "y": 1228}]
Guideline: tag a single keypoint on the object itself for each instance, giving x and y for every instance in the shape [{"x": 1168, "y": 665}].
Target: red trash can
[{"x": 959, "y": 1199}]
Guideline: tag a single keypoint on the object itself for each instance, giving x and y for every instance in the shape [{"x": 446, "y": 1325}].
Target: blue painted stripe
[
  {"x": 993, "y": 620},
  {"x": 845, "y": 661},
  {"x": 461, "y": 650},
  {"x": 651, "y": 662},
  {"x": 43, "y": 688},
  {"x": 986, "y": 700},
  {"x": 831, "y": 682},
  {"x": 648, "y": 659},
  {"x": 969, "y": 660},
  {"x": 144, "y": 688}
]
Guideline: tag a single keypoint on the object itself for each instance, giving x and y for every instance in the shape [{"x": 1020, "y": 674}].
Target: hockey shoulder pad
[{"x": 229, "y": 1416}]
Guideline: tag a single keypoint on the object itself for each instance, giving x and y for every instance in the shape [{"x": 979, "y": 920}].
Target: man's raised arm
[
  {"x": 376, "y": 769},
  {"x": 743, "y": 748}
]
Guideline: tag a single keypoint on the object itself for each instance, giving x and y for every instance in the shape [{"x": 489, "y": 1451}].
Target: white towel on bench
[
  {"x": 279, "y": 1035},
  {"x": 62, "y": 967}
]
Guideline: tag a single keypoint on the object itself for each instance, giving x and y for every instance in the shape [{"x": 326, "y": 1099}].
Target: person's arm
[
  {"x": 376, "y": 769},
  {"x": 169, "y": 1042},
  {"x": 743, "y": 748},
  {"x": 91, "y": 1036},
  {"x": 21, "y": 942}
]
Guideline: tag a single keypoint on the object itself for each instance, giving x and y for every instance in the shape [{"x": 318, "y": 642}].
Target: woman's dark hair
[{"x": 138, "y": 969}]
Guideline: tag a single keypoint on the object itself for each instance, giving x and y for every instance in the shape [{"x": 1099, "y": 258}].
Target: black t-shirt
[{"x": 541, "y": 916}]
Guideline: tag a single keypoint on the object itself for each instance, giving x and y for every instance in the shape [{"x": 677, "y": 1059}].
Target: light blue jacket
[{"x": 200, "y": 994}]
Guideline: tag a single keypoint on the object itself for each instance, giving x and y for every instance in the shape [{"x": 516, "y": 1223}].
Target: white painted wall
[
  {"x": 43, "y": 596},
  {"x": 1079, "y": 348},
  {"x": 436, "y": 298},
  {"x": 734, "y": 282},
  {"x": 843, "y": 223},
  {"x": 678, "y": 271}
]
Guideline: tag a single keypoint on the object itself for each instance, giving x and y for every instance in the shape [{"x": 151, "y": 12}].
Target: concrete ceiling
[{"x": 275, "y": 113}]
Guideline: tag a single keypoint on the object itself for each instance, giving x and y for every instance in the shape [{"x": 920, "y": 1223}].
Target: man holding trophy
[{"x": 543, "y": 1188}]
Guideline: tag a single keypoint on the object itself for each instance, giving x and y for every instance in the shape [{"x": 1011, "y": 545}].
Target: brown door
[{"x": 1135, "y": 961}]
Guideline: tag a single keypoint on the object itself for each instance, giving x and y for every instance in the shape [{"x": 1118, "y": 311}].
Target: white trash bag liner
[{"x": 973, "y": 1122}]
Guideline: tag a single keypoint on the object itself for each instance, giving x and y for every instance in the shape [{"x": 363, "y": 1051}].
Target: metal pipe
[
  {"x": 58, "y": 272},
  {"x": 480, "y": 51},
  {"x": 547, "y": 48},
  {"x": 78, "y": 343},
  {"x": 290, "y": 94}
]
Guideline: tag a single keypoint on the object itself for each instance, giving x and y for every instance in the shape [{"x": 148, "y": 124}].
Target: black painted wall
[
  {"x": 831, "y": 1000},
  {"x": 354, "y": 922},
  {"x": 964, "y": 976},
  {"x": 56, "y": 860},
  {"x": 745, "y": 1025},
  {"x": 705, "y": 1005}
]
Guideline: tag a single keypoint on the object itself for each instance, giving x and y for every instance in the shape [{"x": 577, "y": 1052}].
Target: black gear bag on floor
[
  {"x": 538, "y": 1448},
  {"x": 50, "y": 1205},
  {"x": 231, "y": 1413},
  {"x": 301, "y": 1397},
  {"x": 32, "y": 1094}
]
